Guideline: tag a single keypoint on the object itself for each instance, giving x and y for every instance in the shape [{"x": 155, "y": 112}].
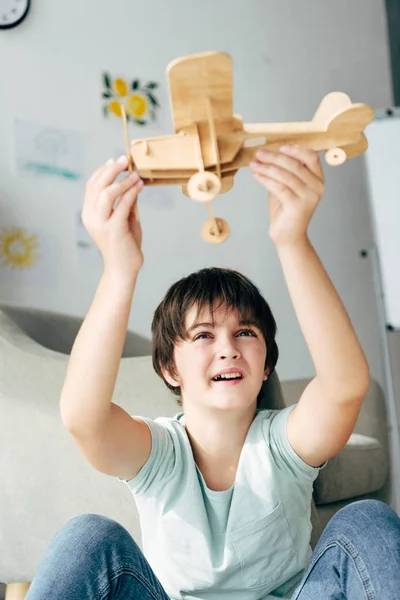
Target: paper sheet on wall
[
  {"x": 26, "y": 257},
  {"x": 48, "y": 151},
  {"x": 158, "y": 197},
  {"x": 152, "y": 196}
]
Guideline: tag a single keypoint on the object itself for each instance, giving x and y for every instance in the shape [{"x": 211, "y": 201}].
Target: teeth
[{"x": 228, "y": 376}]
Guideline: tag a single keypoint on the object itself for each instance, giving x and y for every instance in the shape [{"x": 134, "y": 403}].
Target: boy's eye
[
  {"x": 247, "y": 332},
  {"x": 202, "y": 336}
]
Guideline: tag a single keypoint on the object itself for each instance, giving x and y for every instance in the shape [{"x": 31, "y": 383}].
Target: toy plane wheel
[
  {"x": 204, "y": 186},
  {"x": 335, "y": 157},
  {"x": 211, "y": 236}
]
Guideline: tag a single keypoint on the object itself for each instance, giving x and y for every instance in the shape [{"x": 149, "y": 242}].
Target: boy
[{"x": 223, "y": 490}]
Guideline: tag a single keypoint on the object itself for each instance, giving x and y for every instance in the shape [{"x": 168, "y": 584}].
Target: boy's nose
[
  {"x": 230, "y": 355},
  {"x": 229, "y": 351},
  {"x": 228, "y": 347}
]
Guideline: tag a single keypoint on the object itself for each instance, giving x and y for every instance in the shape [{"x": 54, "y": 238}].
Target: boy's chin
[
  {"x": 232, "y": 398},
  {"x": 232, "y": 401}
]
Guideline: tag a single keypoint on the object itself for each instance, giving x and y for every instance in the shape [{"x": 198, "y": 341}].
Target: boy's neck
[{"x": 217, "y": 439}]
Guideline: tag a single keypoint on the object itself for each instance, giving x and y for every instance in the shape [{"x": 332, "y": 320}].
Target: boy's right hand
[{"x": 115, "y": 231}]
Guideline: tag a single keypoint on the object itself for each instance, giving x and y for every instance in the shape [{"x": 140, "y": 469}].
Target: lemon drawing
[
  {"x": 120, "y": 87},
  {"x": 139, "y": 100},
  {"x": 115, "y": 107},
  {"x": 17, "y": 248},
  {"x": 137, "y": 106}
]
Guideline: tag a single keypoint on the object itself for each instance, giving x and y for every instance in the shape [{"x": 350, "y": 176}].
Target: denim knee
[
  {"x": 96, "y": 530},
  {"x": 371, "y": 514}
]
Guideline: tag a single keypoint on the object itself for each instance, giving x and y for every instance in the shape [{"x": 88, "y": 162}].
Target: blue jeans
[{"x": 95, "y": 558}]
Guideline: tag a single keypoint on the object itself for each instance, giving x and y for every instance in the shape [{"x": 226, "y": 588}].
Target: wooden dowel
[
  {"x": 213, "y": 136},
  {"x": 217, "y": 231},
  {"x": 131, "y": 164},
  {"x": 199, "y": 149}
]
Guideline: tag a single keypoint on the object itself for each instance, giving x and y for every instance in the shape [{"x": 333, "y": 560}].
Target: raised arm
[
  {"x": 112, "y": 441},
  {"x": 320, "y": 425}
]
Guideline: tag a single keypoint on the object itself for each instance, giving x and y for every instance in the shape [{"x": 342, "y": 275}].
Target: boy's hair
[{"x": 211, "y": 289}]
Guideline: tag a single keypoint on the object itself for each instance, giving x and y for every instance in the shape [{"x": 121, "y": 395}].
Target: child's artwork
[
  {"x": 18, "y": 249},
  {"x": 25, "y": 256},
  {"x": 140, "y": 101},
  {"x": 156, "y": 198},
  {"x": 48, "y": 151}
]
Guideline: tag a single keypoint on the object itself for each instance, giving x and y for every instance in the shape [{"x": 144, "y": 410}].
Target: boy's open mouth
[{"x": 234, "y": 376}]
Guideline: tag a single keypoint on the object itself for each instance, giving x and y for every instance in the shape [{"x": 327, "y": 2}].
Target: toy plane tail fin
[{"x": 331, "y": 104}]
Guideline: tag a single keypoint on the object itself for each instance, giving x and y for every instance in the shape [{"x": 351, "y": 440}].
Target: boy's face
[{"x": 221, "y": 364}]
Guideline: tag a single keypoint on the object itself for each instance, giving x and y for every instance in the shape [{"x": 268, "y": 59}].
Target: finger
[
  {"x": 281, "y": 175},
  {"x": 135, "y": 228},
  {"x": 111, "y": 170},
  {"x": 93, "y": 192},
  {"x": 124, "y": 208},
  {"x": 307, "y": 157},
  {"x": 293, "y": 165},
  {"x": 281, "y": 191},
  {"x": 297, "y": 168},
  {"x": 95, "y": 174},
  {"x": 100, "y": 170},
  {"x": 110, "y": 195}
]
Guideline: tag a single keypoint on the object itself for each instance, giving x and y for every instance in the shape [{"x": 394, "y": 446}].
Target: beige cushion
[
  {"x": 360, "y": 468},
  {"x": 57, "y": 332}
]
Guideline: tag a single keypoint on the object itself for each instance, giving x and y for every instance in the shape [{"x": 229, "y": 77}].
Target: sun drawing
[
  {"x": 17, "y": 248},
  {"x": 139, "y": 100}
]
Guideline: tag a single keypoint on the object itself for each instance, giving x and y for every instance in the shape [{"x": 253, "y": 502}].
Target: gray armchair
[{"x": 46, "y": 481}]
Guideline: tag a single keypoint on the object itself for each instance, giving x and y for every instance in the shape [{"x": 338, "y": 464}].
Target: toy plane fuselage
[{"x": 210, "y": 138}]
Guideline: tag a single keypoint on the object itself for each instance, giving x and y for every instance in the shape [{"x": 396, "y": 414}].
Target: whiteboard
[{"x": 383, "y": 172}]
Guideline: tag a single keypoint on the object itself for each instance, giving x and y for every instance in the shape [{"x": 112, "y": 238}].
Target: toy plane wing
[{"x": 198, "y": 84}]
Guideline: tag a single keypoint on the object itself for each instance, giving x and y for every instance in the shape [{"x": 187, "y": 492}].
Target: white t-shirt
[{"x": 251, "y": 542}]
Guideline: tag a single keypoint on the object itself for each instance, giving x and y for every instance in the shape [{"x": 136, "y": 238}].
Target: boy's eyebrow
[
  {"x": 197, "y": 325},
  {"x": 241, "y": 323},
  {"x": 248, "y": 322}
]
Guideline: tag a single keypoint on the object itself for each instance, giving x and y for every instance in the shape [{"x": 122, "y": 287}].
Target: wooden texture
[
  {"x": 193, "y": 80},
  {"x": 131, "y": 164},
  {"x": 16, "y": 591},
  {"x": 211, "y": 235},
  {"x": 209, "y": 138}
]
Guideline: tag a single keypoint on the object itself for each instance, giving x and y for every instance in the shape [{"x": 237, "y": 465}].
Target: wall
[{"x": 287, "y": 56}]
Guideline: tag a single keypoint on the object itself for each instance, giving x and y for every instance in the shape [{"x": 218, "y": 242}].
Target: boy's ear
[{"x": 175, "y": 382}]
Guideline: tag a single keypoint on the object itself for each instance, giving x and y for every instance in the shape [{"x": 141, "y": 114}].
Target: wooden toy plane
[{"x": 210, "y": 143}]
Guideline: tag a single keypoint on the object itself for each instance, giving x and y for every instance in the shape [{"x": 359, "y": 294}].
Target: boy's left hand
[{"x": 295, "y": 181}]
